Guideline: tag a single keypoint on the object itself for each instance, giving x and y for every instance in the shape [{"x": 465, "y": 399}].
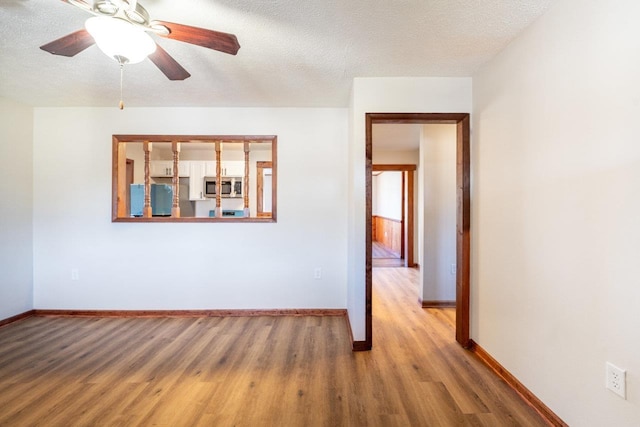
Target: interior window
[{"x": 173, "y": 178}]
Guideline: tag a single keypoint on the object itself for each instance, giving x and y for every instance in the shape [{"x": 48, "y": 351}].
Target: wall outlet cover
[{"x": 616, "y": 380}]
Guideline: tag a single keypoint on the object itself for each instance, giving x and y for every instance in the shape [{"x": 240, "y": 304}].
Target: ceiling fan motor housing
[{"x": 130, "y": 10}]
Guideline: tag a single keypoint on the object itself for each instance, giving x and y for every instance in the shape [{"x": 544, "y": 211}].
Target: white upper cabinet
[
  {"x": 159, "y": 168},
  {"x": 184, "y": 169},
  {"x": 210, "y": 168},
  {"x": 164, "y": 168},
  {"x": 233, "y": 168}
]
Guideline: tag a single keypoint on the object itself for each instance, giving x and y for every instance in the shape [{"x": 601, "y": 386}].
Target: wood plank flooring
[
  {"x": 258, "y": 371},
  {"x": 378, "y": 250},
  {"x": 387, "y": 262},
  {"x": 381, "y": 256}
]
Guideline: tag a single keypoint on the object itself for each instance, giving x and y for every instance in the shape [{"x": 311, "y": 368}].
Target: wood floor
[
  {"x": 381, "y": 256},
  {"x": 259, "y": 371},
  {"x": 378, "y": 250}
]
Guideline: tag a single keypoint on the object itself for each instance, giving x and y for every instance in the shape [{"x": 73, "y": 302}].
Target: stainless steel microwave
[{"x": 230, "y": 186}]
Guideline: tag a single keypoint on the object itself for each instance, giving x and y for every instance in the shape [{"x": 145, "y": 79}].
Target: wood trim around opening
[
  {"x": 355, "y": 345},
  {"x": 409, "y": 260},
  {"x": 463, "y": 226},
  {"x": 403, "y": 222},
  {"x": 463, "y": 174},
  {"x": 118, "y": 190},
  {"x": 260, "y": 166}
]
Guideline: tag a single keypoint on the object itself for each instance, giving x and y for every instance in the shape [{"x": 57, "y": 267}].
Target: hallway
[{"x": 437, "y": 381}]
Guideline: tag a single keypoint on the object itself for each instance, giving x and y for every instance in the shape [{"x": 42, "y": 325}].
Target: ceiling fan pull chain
[{"x": 121, "y": 79}]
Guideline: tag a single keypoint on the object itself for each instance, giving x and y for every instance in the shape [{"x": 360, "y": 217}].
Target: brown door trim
[
  {"x": 260, "y": 166},
  {"x": 129, "y": 180},
  {"x": 463, "y": 173},
  {"x": 407, "y": 170},
  {"x": 409, "y": 260}
]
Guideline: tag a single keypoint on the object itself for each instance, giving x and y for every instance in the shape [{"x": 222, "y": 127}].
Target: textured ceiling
[{"x": 294, "y": 52}]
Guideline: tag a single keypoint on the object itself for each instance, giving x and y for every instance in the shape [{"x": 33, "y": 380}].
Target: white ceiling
[
  {"x": 395, "y": 137},
  {"x": 293, "y": 52}
]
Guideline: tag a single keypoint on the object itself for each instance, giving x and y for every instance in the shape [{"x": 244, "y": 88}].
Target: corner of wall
[{"x": 16, "y": 187}]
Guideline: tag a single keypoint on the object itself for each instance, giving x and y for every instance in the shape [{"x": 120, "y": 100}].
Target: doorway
[
  {"x": 463, "y": 210},
  {"x": 401, "y": 232}
]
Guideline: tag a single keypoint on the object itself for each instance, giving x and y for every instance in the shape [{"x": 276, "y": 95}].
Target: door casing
[
  {"x": 463, "y": 214},
  {"x": 408, "y": 225}
]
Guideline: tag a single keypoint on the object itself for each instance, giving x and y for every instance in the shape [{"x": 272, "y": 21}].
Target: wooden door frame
[
  {"x": 130, "y": 166},
  {"x": 260, "y": 166},
  {"x": 407, "y": 217},
  {"x": 463, "y": 212}
]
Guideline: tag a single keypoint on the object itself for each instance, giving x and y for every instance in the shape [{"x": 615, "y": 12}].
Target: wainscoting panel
[{"x": 388, "y": 232}]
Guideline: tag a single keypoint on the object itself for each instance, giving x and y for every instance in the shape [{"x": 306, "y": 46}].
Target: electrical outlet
[
  {"x": 317, "y": 273},
  {"x": 75, "y": 274},
  {"x": 616, "y": 380}
]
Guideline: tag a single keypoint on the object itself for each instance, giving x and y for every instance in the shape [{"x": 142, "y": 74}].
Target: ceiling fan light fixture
[
  {"x": 138, "y": 15},
  {"x": 82, "y": 4},
  {"x": 120, "y": 40},
  {"x": 106, "y": 7}
]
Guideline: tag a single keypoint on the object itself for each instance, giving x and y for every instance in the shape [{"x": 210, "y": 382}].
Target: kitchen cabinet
[
  {"x": 227, "y": 168},
  {"x": 210, "y": 168},
  {"x": 184, "y": 169},
  {"x": 196, "y": 180},
  {"x": 232, "y": 168},
  {"x": 159, "y": 168},
  {"x": 164, "y": 168}
]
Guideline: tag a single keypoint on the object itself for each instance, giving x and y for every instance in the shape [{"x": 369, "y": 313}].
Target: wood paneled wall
[{"x": 388, "y": 232}]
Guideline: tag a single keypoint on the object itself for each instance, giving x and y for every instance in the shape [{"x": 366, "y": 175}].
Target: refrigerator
[{"x": 161, "y": 199}]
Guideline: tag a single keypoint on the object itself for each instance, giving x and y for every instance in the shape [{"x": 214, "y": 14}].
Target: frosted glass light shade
[{"x": 120, "y": 40}]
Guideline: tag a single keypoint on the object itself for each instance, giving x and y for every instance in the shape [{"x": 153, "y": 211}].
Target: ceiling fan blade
[
  {"x": 215, "y": 40},
  {"x": 70, "y": 45},
  {"x": 168, "y": 65}
]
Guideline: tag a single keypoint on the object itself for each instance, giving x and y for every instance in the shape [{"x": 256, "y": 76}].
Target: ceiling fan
[{"x": 128, "y": 21}]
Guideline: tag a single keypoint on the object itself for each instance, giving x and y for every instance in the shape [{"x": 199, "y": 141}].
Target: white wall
[
  {"x": 437, "y": 212},
  {"x": 16, "y": 209},
  {"x": 135, "y": 152},
  {"x": 386, "y": 95},
  {"x": 388, "y": 195},
  {"x": 188, "y": 266},
  {"x": 555, "y": 228}
]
